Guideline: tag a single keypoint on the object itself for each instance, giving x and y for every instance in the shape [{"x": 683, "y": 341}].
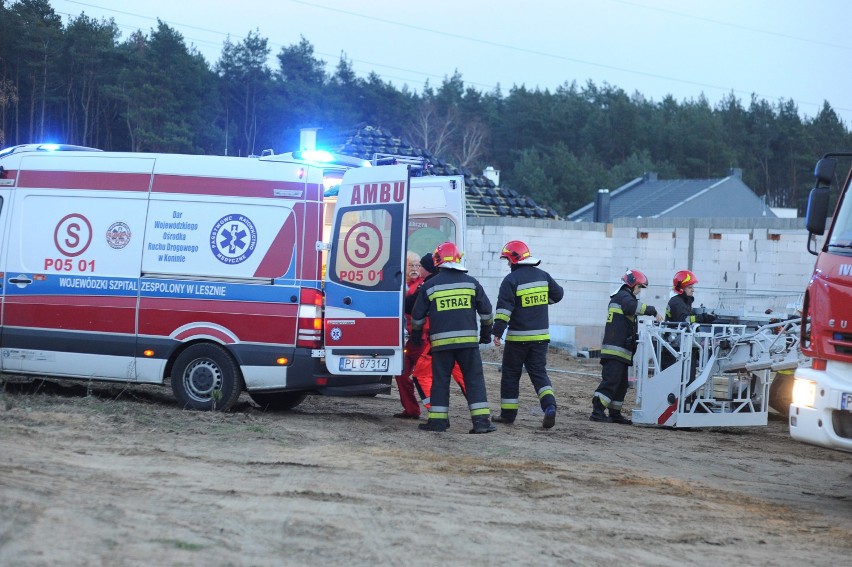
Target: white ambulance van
[{"x": 216, "y": 274}]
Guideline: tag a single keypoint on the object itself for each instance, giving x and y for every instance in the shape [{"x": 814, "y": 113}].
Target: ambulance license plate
[
  {"x": 361, "y": 364},
  {"x": 846, "y": 401}
]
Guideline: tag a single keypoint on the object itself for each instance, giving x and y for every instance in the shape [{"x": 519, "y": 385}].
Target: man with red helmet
[
  {"x": 421, "y": 373},
  {"x": 522, "y": 306},
  {"x": 451, "y": 300},
  {"x": 679, "y": 310},
  {"x": 619, "y": 346}
]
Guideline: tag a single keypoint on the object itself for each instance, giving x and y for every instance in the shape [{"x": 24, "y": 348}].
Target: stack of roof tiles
[{"x": 484, "y": 198}]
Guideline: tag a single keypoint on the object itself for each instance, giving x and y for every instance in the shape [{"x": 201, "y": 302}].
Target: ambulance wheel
[
  {"x": 278, "y": 401},
  {"x": 205, "y": 377}
]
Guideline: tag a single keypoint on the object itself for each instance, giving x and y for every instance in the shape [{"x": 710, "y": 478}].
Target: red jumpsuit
[{"x": 410, "y": 405}]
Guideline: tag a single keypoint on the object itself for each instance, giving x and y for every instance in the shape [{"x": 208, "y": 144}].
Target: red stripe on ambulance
[
  {"x": 72, "y": 312},
  {"x": 100, "y": 181}
]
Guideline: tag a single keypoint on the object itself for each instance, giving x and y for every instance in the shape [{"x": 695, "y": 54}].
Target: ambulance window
[
  {"x": 367, "y": 251},
  {"x": 425, "y": 233}
]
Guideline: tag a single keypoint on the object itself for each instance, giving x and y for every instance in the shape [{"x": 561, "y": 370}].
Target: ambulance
[{"x": 215, "y": 274}]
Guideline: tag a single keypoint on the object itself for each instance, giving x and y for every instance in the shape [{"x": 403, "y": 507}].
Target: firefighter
[
  {"x": 407, "y": 397},
  {"x": 679, "y": 309},
  {"x": 619, "y": 345},
  {"x": 452, "y": 299},
  {"x": 522, "y": 306},
  {"x": 421, "y": 374}
]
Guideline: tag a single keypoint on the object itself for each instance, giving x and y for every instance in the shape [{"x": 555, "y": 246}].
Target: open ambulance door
[{"x": 365, "y": 275}]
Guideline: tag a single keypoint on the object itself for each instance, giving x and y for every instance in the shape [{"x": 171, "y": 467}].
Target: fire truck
[
  {"x": 821, "y": 409},
  {"x": 279, "y": 275}
]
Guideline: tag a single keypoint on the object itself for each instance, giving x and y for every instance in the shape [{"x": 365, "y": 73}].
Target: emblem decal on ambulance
[
  {"x": 336, "y": 333},
  {"x": 233, "y": 239},
  {"x": 118, "y": 235}
]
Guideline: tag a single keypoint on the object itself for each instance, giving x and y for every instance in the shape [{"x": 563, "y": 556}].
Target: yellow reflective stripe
[
  {"x": 546, "y": 392},
  {"x": 454, "y": 341},
  {"x": 605, "y": 400},
  {"x": 527, "y": 338},
  {"x": 692, "y": 318},
  {"x": 501, "y": 317},
  {"x": 508, "y": 405},
  {"x": 537, "y": 289},
  {"x": 438, "y": 415},
  {"x": 481, "y": 411},
  {"x": 451, "y": 292},
  {"x": 642, "y": 307},
  {"x": 618, "y": 353}
]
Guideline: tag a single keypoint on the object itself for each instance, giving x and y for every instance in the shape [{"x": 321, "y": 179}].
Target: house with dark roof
[
  {"x": 648, "y": 196},
  {"x": 485, "y": 196}
]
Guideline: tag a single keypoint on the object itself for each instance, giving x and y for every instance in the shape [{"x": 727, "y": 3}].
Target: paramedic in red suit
[
  {"x": 410, "y": 405},
  {"x": 453, "y": 300},
  {"x": 619, "y": 345}
]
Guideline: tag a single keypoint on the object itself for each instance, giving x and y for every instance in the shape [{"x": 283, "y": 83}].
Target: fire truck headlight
[{"x": 804, "y": 392}]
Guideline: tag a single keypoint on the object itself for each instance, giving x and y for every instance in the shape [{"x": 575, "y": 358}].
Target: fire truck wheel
[
  {"x": 205, "y": 377},
  {"x": 781, "y": 392},
  {"x": 278, "y": 401}
]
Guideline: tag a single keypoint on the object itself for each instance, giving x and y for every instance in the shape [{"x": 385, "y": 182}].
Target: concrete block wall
[{"x": 742, "y": 264}]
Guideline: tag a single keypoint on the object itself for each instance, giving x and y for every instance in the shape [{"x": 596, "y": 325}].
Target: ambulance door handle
[
  {"x": 20, "y": 281},
  {"x": 347, "y": 300}
]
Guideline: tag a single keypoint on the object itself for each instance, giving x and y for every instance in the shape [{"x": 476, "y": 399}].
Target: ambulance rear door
[
  {"x": 364, "y": 279},
  {"x": 436, "y": 213}
]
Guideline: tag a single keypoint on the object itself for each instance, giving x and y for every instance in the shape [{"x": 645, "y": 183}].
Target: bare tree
[
  {"x": 474, "y": 135},
  {"x": 432, "y": 131}
]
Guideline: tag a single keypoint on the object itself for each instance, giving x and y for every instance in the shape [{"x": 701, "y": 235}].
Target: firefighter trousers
[
  {"x": 422, "y": 377},
  {"x": 516, "y": 355},
  {"x": 470, "y": 363},
  {"x": 613, "y": 387}
]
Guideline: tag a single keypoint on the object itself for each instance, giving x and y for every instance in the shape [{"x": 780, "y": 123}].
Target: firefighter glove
[
  {"x": 416, "y": 338},
  {"x": 485, "y": 334}
]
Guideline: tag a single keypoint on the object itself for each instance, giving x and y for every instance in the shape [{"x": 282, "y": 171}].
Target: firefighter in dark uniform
[
  {"x": 522, "y": 306},
  {"x": 619, "y": 345},
  {"x": 679, "y": 310},
  {"x": 451, "y": 300}
]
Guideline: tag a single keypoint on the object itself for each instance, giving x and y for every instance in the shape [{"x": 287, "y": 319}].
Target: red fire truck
[{"x": 821, "y": 411}]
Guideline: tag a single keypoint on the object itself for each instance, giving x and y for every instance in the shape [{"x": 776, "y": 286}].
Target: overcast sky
[{"x": 773, "y": 48}]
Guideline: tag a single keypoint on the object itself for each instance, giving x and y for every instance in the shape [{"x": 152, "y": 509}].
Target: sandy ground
[{"x": 106, "y": 475}]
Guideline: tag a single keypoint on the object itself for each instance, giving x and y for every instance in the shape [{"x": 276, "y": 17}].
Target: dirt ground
[{"x": 98, "y": 474}]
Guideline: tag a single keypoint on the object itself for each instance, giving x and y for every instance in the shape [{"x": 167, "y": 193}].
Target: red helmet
[
  {"x": 448, "y": 256},
  {"x": 682, "y": 279},
  {"x": 632, "y": 278},
  {"x": 517, "y": 253}
]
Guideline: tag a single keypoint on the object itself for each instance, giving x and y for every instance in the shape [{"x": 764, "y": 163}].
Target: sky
[{"x": 774, "y": 49}]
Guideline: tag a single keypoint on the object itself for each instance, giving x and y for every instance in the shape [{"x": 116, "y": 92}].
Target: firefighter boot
[
  {"x": 598, "y": 411},
  {"x": 482, "y": 424},
  {"x": 437, "y": 425},
  {"x": 615, "y": 416},
  {"x": 506, "y": 417},
  {"x": 549, "y": 417}
]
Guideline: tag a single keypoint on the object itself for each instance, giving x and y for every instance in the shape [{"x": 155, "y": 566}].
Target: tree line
[{"x": 79, "y": 82}]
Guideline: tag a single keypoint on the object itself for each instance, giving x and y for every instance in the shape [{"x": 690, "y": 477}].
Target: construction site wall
[{"x": 743, "y": 265}]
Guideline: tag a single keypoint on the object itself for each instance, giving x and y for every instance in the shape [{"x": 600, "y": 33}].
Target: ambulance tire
[
  {"x": 205, "y": 377},
  {"x": 278, "y": 401}
]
